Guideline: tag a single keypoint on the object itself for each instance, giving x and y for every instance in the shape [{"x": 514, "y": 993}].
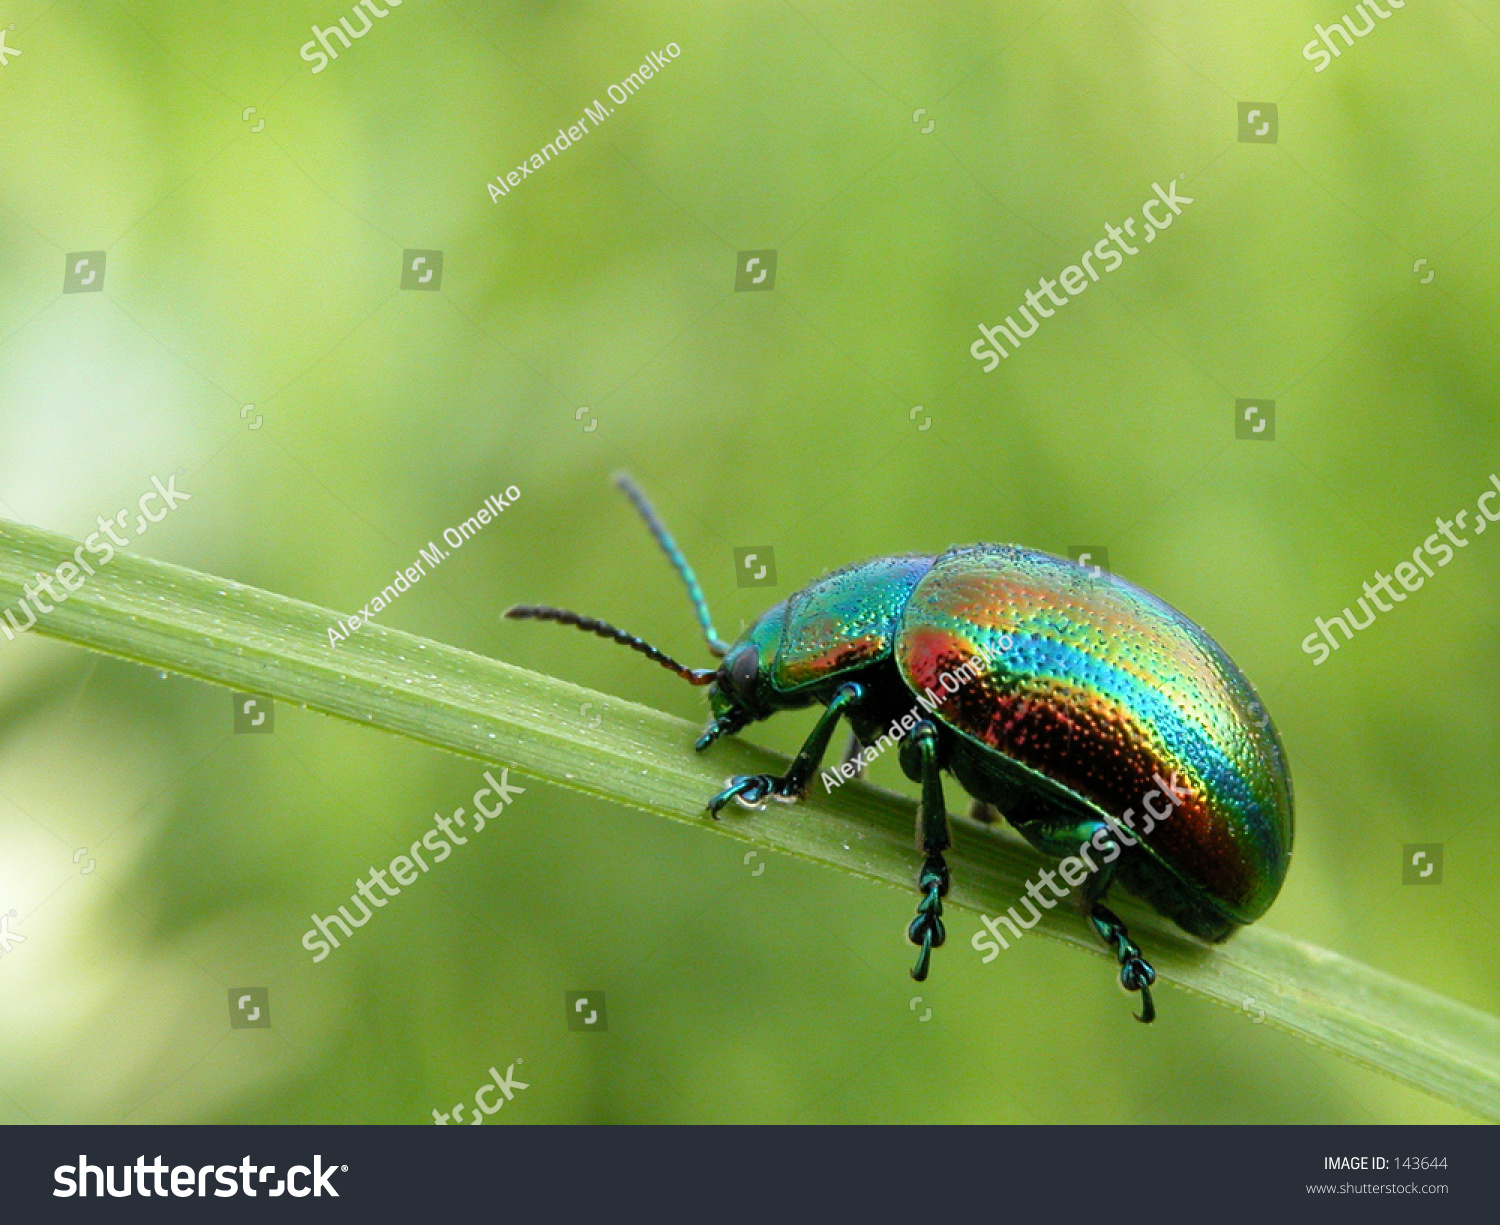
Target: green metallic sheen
[
  {"x": 1098, "y": 720},
  {"x": 843, "y": 621},
  {"x": 1092, "y": 689}
]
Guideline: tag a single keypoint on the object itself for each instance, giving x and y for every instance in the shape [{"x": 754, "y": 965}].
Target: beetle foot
[
  {"x": 1136, "y": 973},
  {"x": 927, "y": 928},
  {"x": 751, "y": 791}
]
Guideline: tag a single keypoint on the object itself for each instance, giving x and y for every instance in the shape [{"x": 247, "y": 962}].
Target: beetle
[{"x": 1082, "y": 697}]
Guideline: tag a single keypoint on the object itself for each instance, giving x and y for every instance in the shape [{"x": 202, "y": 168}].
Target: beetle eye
[{"x": 744, "y": 673}]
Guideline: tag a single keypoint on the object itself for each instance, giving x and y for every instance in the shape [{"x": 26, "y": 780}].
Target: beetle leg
[
  {"x": 749, "y": 790},
  {"x": 1136, "y": 973},
  {"x": 752, "y": 790},
  {"x": 919, "y": 754}
]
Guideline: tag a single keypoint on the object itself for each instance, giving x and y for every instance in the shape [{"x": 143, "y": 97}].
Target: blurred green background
[{"x": 262, "y": 267}]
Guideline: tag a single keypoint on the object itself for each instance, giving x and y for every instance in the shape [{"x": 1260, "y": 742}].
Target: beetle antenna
[
  {"x": 679, "y": 563},
  {"x": 694, "y": 676}
]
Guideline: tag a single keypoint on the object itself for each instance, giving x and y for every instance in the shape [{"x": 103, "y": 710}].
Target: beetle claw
[
  {"x": 1148, "y": 1009},
  {"x": 1137, "y": 975},
  {"x": 924, "y": 958},
  {"x": 927, "y": 928},
  {"x": 747, "y": 790}
]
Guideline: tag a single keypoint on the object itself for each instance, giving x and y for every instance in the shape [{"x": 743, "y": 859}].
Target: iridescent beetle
[{"x": 1083, "y": 698}]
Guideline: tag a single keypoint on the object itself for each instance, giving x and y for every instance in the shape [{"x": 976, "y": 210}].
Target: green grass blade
[{"x": 252, "y": 640}]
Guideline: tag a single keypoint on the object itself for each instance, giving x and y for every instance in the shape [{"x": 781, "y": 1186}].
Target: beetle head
[{"x": 741, "y": 693}]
